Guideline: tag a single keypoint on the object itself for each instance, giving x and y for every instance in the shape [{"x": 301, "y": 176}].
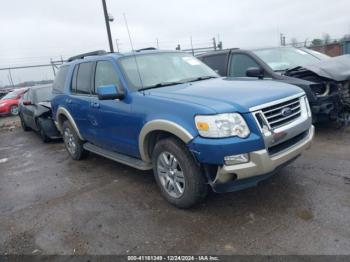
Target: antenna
[{"x": 133, "y": 51}]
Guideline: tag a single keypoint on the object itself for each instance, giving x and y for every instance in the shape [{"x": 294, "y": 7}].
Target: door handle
[{"x": 95, "y": 104}]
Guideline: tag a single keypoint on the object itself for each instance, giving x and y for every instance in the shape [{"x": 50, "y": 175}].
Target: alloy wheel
[
  {"x": 70, "y": 141},
  {"x": 170, "y": 174}
]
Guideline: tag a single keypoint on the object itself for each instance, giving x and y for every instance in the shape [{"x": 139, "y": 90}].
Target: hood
[
  {"x": 336, "y": 68},
  {"x": 228, "y": 94}
]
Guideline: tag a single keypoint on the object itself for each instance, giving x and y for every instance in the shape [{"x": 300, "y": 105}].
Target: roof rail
[
  {"x": 81, "y": 56},
  {"x": 145, "y": 49}
]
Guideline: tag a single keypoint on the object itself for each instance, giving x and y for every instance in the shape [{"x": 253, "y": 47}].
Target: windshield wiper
[
  {"x": 201, "y": 78},
  {"x": 162, "y": 84}
]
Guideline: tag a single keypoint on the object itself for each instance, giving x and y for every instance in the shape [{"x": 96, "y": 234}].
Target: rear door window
[
  {"x": 84, "y": 78},
  {"x": 239, "y": 64}
]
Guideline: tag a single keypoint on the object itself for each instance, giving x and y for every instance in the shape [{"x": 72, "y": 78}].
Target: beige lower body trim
[
  {"x": 63, "y": 111},
  {"x": 262, "y": 163},
  {"x": 160, "y": 125}
]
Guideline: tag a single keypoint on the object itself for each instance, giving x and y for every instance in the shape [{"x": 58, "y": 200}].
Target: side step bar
[{"x": 124, "y": 159}]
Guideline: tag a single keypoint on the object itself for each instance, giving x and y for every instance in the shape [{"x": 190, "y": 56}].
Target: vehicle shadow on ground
[{"x": 274, "y": 194}]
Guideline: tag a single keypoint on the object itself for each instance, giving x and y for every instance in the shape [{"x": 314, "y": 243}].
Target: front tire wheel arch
[{"x": 196, "y": 184}]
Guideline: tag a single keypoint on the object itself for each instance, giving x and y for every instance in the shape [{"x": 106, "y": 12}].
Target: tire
[
  {"x": 72, "y": 142},
  {"x": 23, "y": 124},
  {"x": 42, "y": 133},
  {"x": 14, "y": 110},
  {"x": 179, "y": 178}
]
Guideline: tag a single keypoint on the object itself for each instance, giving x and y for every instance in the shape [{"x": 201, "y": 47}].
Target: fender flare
[
  {"x": 160, "y": 125},
  {"x": 65, "y": 112}
]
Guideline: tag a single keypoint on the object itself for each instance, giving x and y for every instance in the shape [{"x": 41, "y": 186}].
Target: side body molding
[
  {"x": 160, "y": 125},
  {"x": 62, "y": 111}
]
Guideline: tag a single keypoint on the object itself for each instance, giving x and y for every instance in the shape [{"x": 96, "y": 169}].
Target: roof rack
[
  {"x": 81, "y": 56},
  {"x": 145, "y": 49}
]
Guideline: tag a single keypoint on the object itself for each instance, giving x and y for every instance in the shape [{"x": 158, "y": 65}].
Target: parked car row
[
  {"x": 4, "y": 91},
  {"x": 170, "y": 112},
  {"x": 35, "y": 112},
  {"x": 9, "y": 103},
  {"x": 325, "y": 80}
]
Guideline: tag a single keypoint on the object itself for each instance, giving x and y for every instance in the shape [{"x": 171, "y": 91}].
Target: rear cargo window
[{"x": 58, "y": 84}]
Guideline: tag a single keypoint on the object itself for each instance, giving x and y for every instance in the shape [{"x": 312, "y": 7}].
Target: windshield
[
  {"x": 316, "y": 54},
  {"x": 161, "y": 69},
  {"x": 43, "y": 94},
  {"x": 11, "y": 95},
  {"x": 280, "y": 59}
]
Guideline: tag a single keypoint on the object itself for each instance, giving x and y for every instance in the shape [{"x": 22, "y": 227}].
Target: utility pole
[
  {"x": 10, "y": 78},
  {"x": 157, "y": 43},
  {"x": 192, "y": 45},
  {"x": 117, "y": 45},
  {"x": 107, "y": 25},
  {"x": 53, "y": 67},
  {"x": 282, "y": 39}
]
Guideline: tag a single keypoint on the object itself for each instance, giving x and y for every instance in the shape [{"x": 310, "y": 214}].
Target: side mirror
[
  {"x": 109, "y": 92},
  {"x": 27, "y": 103},
  {"x": 255, "y": 72}
]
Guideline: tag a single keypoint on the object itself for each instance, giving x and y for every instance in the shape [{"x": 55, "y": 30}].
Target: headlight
[
  {"x": 305, "y": 105},
  {"x": 222, "y": 125}
]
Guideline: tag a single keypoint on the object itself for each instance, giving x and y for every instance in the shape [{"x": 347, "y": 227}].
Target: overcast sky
[{"x": 34, "y": 31}]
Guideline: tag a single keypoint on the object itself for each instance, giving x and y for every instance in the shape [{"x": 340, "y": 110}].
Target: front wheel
[
  {"x": 72, "y": 142},
  {"x": 177, "y": 174}
]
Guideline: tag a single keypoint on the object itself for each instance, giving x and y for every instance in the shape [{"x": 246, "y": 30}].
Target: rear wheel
[
  {"x": 72, "y": 142},
  {"x": 14, "y": 110},
  {"x": 177, "y": 174},
  {"x": 42, "y": 133},
  {"x": 23, "y": 124}
]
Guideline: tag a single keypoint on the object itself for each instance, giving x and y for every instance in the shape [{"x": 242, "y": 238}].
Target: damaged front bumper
[{"x": 261, "y": 166}]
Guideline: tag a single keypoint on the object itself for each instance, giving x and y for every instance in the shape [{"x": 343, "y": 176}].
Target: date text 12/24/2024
[{"x": 173, "y": 258}]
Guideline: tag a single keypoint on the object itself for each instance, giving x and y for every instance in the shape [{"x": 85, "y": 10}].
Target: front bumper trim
[{"x": 262, "y": 163}]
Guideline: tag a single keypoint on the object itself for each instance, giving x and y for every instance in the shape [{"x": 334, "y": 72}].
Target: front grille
[
  {"x": 274, "y": 114},
  {"x": 287, "y": 144}
]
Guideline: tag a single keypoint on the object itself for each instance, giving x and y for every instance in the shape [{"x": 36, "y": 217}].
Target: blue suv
[{"x": 167, "y": 111}]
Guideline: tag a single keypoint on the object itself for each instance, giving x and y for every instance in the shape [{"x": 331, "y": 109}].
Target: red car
[{"x": 9, "y": 103}]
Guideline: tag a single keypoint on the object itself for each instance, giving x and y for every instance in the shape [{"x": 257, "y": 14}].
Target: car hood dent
[
  {"x": 336, "y": 68},
  {"x": 45, "y": 104},
  {"x": 228, "y": 94}
]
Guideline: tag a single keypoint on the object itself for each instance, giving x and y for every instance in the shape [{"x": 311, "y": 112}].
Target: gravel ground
[{"x": 50, "y": 204}]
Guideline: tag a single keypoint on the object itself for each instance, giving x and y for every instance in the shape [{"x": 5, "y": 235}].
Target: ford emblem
[{"x": 287, "y": 111}]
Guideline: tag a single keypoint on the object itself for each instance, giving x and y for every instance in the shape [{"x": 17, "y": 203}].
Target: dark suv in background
[{"x": 325, "y": 80}]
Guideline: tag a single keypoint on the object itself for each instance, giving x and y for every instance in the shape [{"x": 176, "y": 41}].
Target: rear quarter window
[{"x": 217, "y": 63}]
